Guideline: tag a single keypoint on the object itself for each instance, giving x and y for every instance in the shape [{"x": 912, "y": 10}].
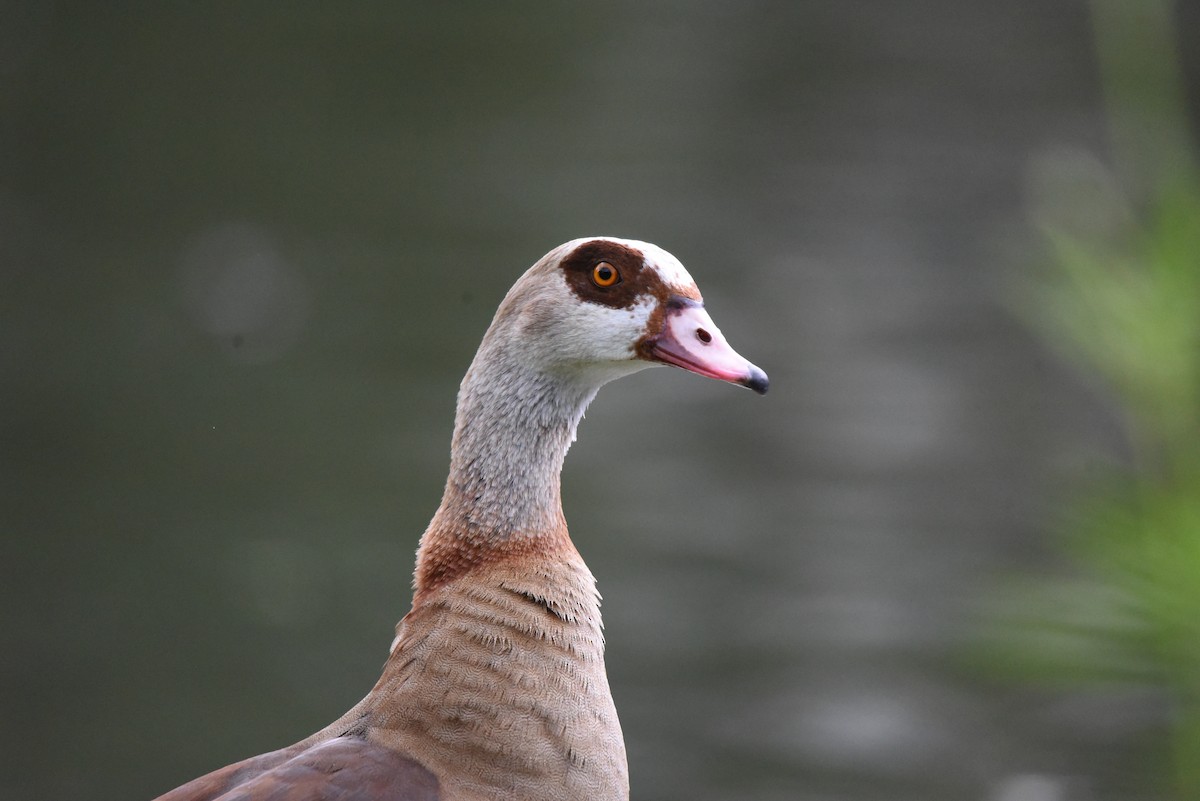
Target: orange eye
[{"x": 605, "y": 275}]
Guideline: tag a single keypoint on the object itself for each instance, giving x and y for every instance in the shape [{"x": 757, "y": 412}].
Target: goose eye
[{"x": 604, "y": 274}]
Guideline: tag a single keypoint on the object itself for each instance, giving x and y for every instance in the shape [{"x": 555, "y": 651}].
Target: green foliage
[
  {"x": 1127, "y": 307},
  {"x": 1133, "y": 314},
  {"x": 1123, "y": 301}
]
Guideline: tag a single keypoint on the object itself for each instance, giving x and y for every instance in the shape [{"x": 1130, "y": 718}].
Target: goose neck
[{"x": 513, "y": 428}]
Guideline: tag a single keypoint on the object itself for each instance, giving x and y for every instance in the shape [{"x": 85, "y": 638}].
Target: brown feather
[{"x": 341, "y": 769}]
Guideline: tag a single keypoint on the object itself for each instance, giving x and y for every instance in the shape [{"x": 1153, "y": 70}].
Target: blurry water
[{"x": 246, "y": 255}]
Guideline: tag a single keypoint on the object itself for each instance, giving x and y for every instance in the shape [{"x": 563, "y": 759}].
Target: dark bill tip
[{"x": 757, "y": 381}]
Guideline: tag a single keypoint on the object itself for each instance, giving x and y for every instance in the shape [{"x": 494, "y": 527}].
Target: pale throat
[{"x": 512, "y": 431}]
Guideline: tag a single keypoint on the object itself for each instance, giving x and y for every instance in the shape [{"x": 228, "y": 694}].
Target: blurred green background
[{"x": 247, "y": 251}]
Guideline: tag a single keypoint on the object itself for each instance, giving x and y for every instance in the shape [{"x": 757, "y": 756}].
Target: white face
[
  {"x": 597, "y": 336},
  {"x": 569, "y": 323},
  {"x": 596, "y": 309}
]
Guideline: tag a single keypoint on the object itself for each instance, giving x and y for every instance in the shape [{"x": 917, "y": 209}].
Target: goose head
[{"x": 598, "y": 308}]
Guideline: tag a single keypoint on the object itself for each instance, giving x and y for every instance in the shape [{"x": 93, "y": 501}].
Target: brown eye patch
[{"x": 636, "y": 280}]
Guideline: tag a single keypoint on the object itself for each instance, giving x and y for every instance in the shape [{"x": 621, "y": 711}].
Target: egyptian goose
[{"x": 495, "y": 685}]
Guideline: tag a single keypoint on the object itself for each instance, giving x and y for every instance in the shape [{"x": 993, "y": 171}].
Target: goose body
[{"x": 495, "y": 687}]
